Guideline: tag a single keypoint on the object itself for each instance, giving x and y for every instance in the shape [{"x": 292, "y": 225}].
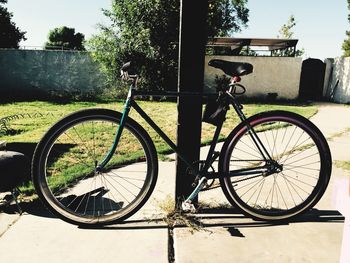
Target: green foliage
[
  {"x": 246, "y": 51},
  {"x": 147, "y": 31},
  {"x": 10, "y": 34},
  {"x": 65, "y": 38},
  {"x": 286, "y": 32},
  {"x": 286, "y": 29},
  {"x": 346, "y": 43},
  {"x": 226, "y": 17}
]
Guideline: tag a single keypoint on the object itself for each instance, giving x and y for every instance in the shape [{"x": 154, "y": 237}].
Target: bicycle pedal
[{"x": 187, "y": 206}]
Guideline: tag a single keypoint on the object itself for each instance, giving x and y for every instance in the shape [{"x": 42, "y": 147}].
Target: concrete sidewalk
[
  {"x": 226, "y": 235},
  {"x": 314, "y": 237},
  {"x": 37, "y": 236}
]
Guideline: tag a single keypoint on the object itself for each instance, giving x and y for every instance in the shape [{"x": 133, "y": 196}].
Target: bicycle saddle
[
  {"x": 128, "y": 67},
  {"x": 232, "y": 68}
]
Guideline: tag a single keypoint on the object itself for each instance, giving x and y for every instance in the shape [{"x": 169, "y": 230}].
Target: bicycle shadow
[
  {"x": 230, "y": 219},
  {"x": 227, "y": 218},
  {"x": 85, "y": 203},
  {"x": 35, "y": 208},
  {"x": 313, "y": 215}
]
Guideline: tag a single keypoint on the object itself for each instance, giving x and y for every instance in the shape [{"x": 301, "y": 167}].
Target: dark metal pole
[{"x": 192, "y": 42}]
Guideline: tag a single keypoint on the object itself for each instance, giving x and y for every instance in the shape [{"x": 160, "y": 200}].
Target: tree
[
  {"x": 346, "y": 43},
  {"x": 10, "y": 34},
  {"x": 286, "y": 32},
  {"x": 147, "y": 31},
  {"x": 65, "y": 38}
]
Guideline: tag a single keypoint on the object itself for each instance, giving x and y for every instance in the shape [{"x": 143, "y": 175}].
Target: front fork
[{"x": 111, "y": 152}]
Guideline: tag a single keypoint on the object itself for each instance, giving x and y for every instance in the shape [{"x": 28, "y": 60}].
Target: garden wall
[
  {"x": 40, "y": 72},
  {"x": 26, "y": 73},
  {"x": 279, "y": 75}
]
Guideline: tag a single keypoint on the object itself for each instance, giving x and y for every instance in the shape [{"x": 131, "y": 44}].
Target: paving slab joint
[{"x": 171, "y": 248}]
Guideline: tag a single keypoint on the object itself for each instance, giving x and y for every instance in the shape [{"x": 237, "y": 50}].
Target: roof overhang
[{"x": 270, "y": 44}]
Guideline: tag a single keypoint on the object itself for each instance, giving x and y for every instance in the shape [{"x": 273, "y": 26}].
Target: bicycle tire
[
  {"x": 65, "y": 160},
  {"x": 313, "y": 176}
]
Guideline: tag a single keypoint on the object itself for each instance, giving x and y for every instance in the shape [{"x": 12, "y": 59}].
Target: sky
[{"x": 320, "y": 28}]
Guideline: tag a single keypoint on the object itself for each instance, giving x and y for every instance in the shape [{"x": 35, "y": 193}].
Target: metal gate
[{"x": 312, "y": 79}]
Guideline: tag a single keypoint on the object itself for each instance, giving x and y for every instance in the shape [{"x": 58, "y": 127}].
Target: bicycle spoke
[
  {"x": 257, "y": 198},
  {"x": 268, "y": 143},
  {"x": 261, "y": 182},
  {"x": 302, "y": 182},
  {"x": 300, "y": 173},
  {"x": 301, "y": 167},
  {"x": 247, "y": 152},
  {"x": 284, "y": 193},
  {"x": 126, "y": 181},
  {"x": 295, "y": 148},
  {"x": 88, "y": 151},
  {"x": 80, "y": 192},
  {"x": 243, "y": 186},
  {"x": 294, "y": 184},
  {"x": 290, "y": 138},
  {"x": 78, "y": 159},
  {"x": 250, "y": 188},
  {"x": 274, "y": 142},
  {"x": 250, "y": 147},
  {"x": 119, "y": 191},
  {"x": 93, "y": 140},
  {"x": 256, "y": 146},
  {"x": 87, "y": 201},
  {"x": 129, "y": 178},
  {"x": 281, "y": 193},
  {"x": 301, "y": 159}
]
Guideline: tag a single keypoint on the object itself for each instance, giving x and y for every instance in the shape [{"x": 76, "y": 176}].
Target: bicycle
[{"x": 98, "y": 166}]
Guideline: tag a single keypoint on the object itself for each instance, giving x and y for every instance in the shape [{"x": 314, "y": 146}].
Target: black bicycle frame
[{"x": 211, "y": 156}]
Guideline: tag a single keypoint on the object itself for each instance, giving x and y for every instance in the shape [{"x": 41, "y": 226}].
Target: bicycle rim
[
  {"x": 67, "y": 179},
  {"x": 297, "y": 145}
]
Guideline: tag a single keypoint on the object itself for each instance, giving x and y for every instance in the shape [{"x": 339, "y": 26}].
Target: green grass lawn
[
  {"x": 34, "y": 118},
  {"x": 343, "y": 164},
  {"x": 28, "y": 121}
]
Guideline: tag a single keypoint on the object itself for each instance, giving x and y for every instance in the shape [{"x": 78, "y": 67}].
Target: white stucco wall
[
  {"x": 279, "y": 75},
  {"x": 341, "y": 73}
]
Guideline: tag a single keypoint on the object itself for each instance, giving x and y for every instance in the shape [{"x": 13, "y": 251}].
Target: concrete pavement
[
  {"x": 314, "y": 237},
  {"x": 37, "y": 236},
  {"x": 226, "y": 235}
]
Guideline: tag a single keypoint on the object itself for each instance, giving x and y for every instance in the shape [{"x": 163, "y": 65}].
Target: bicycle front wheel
[
  {"x": 65, "y": 175},
  {"x": 292, "y": 142}
]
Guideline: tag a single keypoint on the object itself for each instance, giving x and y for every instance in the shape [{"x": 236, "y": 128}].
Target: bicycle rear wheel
[
  {"x": 65, "y": 175},
  {"x": 294, "y": 143}
]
